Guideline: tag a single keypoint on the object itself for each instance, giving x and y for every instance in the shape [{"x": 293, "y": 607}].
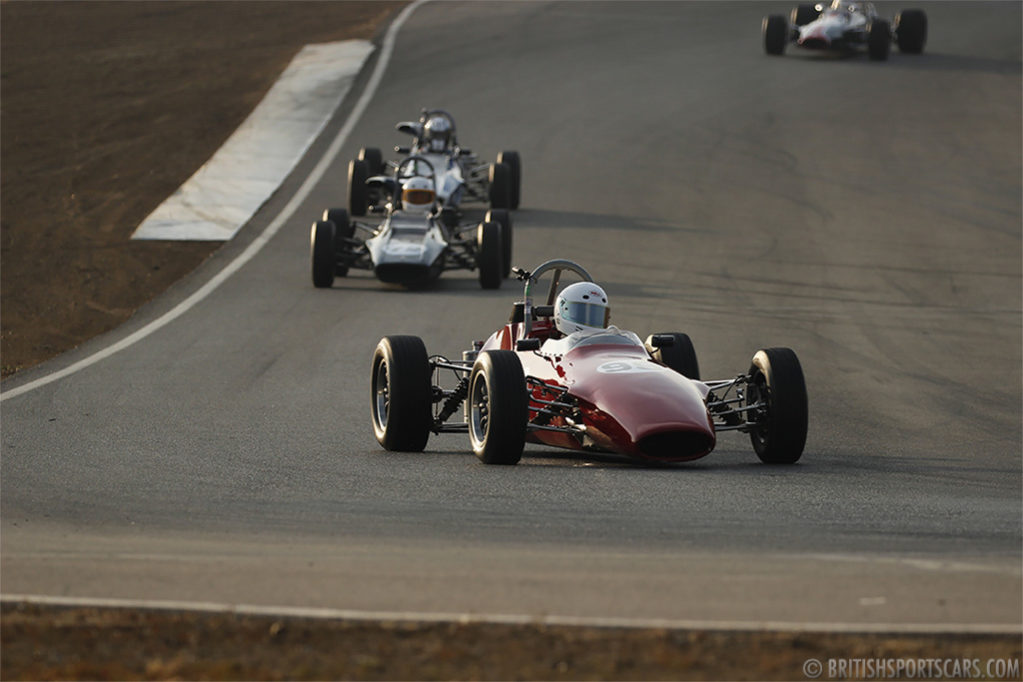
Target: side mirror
[
  {"x": 662, "y": 340},
  {"x": 527, "y": 344}
]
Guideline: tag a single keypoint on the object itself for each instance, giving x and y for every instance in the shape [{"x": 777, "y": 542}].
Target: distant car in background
[
  {"x": 845, "y": 26},
  {"x": 460, "y": 175}
]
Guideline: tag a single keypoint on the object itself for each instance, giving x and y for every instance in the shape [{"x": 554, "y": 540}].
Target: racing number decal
[{"x": 626, "y": 367}]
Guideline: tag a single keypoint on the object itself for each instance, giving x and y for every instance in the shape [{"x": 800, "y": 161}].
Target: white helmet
[
  {"x": 438, "y": 132},
  {"x": 418, "y": 195},
  {"x": 581, "y": 307}
]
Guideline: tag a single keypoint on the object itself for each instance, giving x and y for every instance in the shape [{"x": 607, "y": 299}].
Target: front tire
[
  {"x": 911, "y": 31},
  {"x": 321, "y": 253},
  {"x": 488, "y": 255},
  {"x": 498, "y": 407},
  {"x": 358, "y": 193},
  {"x": 776, "y": 34},
  {"x": 879, "y": 41},
  {"x": 680, "y": 357},
  {"x": 514, "y": 163},
  {"x": 776, "y": 379},
  {"x": 502, "y": 216},
  {"x": 402, "y": 394},
  {"x": 499, "y": 191}
]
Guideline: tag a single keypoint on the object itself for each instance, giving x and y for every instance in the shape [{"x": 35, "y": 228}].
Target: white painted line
[
  {"x": 519, "y": 619},
  {"x": 264, "y": 237},
  {"x": 227, "y": 191}
]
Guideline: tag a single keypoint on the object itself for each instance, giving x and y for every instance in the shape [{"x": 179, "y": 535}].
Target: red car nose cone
[{"x": 646, "y": 410}]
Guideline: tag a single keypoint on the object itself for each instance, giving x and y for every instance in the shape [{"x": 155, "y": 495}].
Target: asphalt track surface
[{"x": 867, "y": 215}]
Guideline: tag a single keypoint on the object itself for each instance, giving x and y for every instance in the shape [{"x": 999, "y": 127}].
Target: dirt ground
[
  {"x": 52, "y": 643},
  {"x": 106, "y": 108}
]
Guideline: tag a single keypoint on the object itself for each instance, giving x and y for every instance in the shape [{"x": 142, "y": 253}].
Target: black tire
[
  {"x": 489, "y": 260},
  {"x": 502, "y": 216},
  {"x": 500, "y": 186},
  {"x": 514, "y": 163},
  {"x": 402, "y": 397},
  {"x": 374, "y": 160},
  {"x": 804, "y": 13},
  {"x": 358, "y": 194},
  {"x": 776, "y": 34},
  {"x": 680, "y": 357},
  {"x": 498, "y": 407},
  {"x": 776, "y": 377},
  {"x": 343, "y": 229},
  {"x": 879, "y": 41},
  {"x": 321, "y": 253},
  {"x": 911, "y": 30}
]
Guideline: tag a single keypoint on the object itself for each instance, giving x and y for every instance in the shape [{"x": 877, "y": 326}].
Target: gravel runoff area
[
  {"x": 107, "y": 108},
  {"x": 45, "y": 642}
]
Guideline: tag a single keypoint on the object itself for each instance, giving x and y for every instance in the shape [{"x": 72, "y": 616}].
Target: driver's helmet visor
[
  {"x": 589, "y": 314},
  {"x": 417, "y": 197}
]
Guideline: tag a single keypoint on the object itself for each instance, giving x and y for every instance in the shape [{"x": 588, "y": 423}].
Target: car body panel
[{"x": 629, "y": 404}]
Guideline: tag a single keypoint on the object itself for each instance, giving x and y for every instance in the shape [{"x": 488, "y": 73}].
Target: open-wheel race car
[
  {"x": 845, "y": 26},
  {"x": 558, "y": 375},
  {"x": 417, "y": 239},
  {"x": 460, "y": 175}
]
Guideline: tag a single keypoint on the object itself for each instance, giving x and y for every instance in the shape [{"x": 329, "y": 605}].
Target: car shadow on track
[{"x": 572, "y": 459}]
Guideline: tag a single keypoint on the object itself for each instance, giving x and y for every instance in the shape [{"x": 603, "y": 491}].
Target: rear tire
[
  {"x": 321, "y": 253},
  {"x": 911, "y": 30},
  {"x": 514, "y": 163},
  {"x": 498, "y": 407},
  {"x": 804, "y": 13},
  {"x": 879, "y": 41},
  {"x": 489, "y": 260},
  {"x": 374, "y": 160},
  {"x": 776, "y": 377},
  {"x": 402, "y": 394},
  {"x": 499, "y": 191},
  {"x": 343, "y": 229},
  {"x": 681, "y": 357},
  {"x": 358, "y": 193},
  {"x": 502, "y": 216},
  {"x": 776, "y": 34}
]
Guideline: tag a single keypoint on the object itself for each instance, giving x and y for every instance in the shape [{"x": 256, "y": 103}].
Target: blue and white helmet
[{"x": 581, "y": 307}]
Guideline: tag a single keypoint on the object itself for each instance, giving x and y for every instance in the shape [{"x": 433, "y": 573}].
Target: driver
[
  {"x": 418, "y": 195},
  {"x": 438, "y": 132},
  {"x": 580, "y": 311}
]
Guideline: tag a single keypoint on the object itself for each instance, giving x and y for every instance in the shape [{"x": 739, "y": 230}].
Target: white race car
[
  {"x": 459, "y": 174},
  {"x": 845, "y": 26},
  {"x": 413, "y": 244}
]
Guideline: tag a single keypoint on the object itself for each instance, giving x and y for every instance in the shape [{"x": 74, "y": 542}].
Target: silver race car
[
  {"x": 416, "y": 241},
  {"x": 460, "y": 175},
  {"x": 845, "y": 26}
]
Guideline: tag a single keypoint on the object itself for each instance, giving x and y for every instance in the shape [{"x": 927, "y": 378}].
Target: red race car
[{"x": 558, "y": 375}]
